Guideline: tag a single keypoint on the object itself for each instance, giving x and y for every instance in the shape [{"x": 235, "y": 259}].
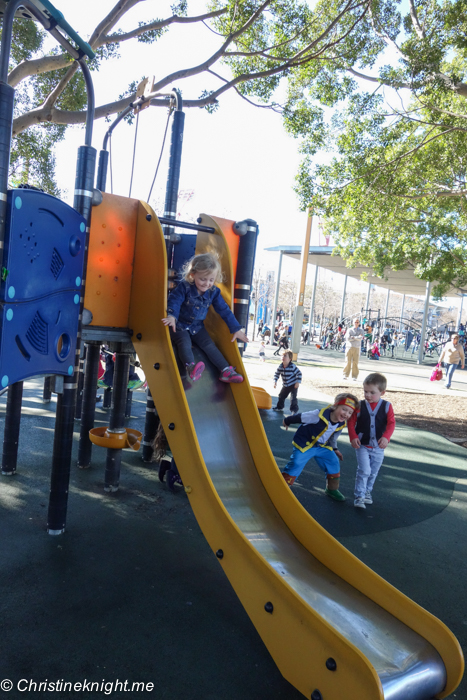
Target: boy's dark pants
[{"x": 284, "y": 392}]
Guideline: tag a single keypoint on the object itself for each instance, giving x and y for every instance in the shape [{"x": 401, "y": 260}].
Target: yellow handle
[{"x": 116, "y": 441}]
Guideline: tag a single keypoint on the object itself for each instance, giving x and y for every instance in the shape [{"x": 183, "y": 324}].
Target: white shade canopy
[{"x": 400, "y": 281}]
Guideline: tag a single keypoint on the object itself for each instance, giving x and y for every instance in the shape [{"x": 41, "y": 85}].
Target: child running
[
  {"x": 370, "y": 429},
  {"x": 291, "y": 379},
  {"x": 317, "y": 437},
  {"x": 187, "y": 307}
]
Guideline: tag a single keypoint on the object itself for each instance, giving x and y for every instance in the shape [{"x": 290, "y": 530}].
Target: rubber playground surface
[{"x": 132, "y": 592}]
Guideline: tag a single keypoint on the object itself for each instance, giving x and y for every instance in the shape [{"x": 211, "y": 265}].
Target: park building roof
[{"x": 400, "y": 281}]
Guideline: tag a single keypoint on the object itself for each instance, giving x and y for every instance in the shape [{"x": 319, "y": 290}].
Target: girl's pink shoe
[
  {"x": 195, "y": 370},
  {"x": 230, "y": 376}
]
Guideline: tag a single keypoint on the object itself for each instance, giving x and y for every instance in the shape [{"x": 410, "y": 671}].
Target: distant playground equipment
[{"x": 333, "y": 626}]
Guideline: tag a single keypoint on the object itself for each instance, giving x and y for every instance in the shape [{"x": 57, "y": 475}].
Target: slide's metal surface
[
  {"x": 308, "y": 597},
  {"x": 408, "y": 666}
]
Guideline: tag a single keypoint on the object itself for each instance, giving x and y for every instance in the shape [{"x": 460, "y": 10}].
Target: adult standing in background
[
  {"x": 452, "y": 354},
  {"x": 353, "y": 342}
]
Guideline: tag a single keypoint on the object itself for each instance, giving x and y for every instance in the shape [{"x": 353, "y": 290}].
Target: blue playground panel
[{"x": 41, "y": 286}]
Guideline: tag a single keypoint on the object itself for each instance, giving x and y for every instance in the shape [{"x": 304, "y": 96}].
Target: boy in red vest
[
  {"x": 317, "y": 437},
  {"x": 370, "y": 429}
]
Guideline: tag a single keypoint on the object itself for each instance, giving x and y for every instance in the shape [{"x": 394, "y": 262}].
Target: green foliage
[
  {"x": 180, "y": 8},
  {"x": 393, "y": 194},
  {"x": 152, "y": 35},
  {"x": 210, "y": 108},
  {"x": 32, "y": 161}
]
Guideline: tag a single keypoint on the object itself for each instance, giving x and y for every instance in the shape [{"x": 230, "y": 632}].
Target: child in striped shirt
[{"x": 291, "y": 379}]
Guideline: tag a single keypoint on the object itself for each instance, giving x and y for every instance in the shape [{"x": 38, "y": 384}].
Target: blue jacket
[{"x": 190, "y": 308}]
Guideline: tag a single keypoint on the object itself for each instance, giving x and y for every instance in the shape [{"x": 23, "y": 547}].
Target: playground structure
[{"x": 331, "y": 624}]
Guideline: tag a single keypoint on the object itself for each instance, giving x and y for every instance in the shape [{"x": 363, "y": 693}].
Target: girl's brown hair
[{"x": 160, "y": 445}]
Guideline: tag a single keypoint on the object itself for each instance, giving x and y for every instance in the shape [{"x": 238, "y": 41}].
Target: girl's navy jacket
[{"x": 190, "y": 308}]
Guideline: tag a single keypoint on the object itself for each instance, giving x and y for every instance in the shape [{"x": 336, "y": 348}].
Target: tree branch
[
  {"x": 49, "y": 63},
  {"x": 370, "y": 79},
  {"x": 442, "y": 193},
  {"x": 57, "y": 91},
  {"x": 104, "y": 27},
  {"x": 158, "y": 24},
  {"x": 333, "y": 24},
  {"x": 415, "y": 23},
  {"x": 37, "y": 66}
]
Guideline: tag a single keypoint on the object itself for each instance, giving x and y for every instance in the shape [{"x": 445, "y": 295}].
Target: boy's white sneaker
[
  {"x": 359, "y": 503},
  {"x": 368, "y": 498}
]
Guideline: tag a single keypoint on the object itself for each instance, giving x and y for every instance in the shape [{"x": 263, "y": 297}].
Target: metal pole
[
  {"x": 88, "y": 406},
  {"x": 459, "y": 318},
  {"x": 387, "y": 305},
  {"x": 107, "y": 400},
  {"x": 421, "y": 349},
  {"x": 7, "y": 97},
  {"x": 64, "y": 422},
  {"x": 12, "y": 424},
  {"x": 79, "y": 391},
  {"x": 368, "y": 299},
  {"x": 312, "y": 307},
  {"x": 173, "y": 178},
  {"x": 47, "y": 391},
  {"x": 343, "y": 298},
  {"x": 298, "y": 317},
  {"x": 150, "y": 428},
  {"x": 276, "y": 296},
  {"x": 402, "y": 313},
  {"x": 117, "y": 420},
  {"x": 248, "y": 232}
]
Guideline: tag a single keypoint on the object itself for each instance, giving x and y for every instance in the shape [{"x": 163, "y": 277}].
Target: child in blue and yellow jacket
[{"x": 317, "y": 438}]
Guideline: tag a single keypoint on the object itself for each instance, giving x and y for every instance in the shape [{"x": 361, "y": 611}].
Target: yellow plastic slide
[{"x": 334, "y": 628}]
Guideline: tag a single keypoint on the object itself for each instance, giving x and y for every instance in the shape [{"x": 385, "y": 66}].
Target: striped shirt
[{"x": 290, "y": 374}]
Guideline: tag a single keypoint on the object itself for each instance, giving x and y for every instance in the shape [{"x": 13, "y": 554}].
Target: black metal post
[
  {"x": 117, "y": 419},
  {"x": 129, "y": 399},
  {"x": 7, "y": 96},
  {"x": 47, "y": 391},
  {"x": 64, "y": 423},
  {"x": 173, "y": 177},
  {"x": 88, "y": 410},
  {"x": 150, "y": 428},
  {"x": 248, "y": 230},
  {"x": 107, "y": 400},
  {"x": 12, "y": 423},
  {"x": 102, "y": 170},
  {"x": 79, "y": 394}
]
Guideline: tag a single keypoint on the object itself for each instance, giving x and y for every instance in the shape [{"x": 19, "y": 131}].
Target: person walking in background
[
  {"x": 262, "y": 351},
  {"x": 291, "y": 378},
  {"x": 353, "y": 342},
  {"x": 452, "y": 354},
  {"x": 283, "y": 343}
]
